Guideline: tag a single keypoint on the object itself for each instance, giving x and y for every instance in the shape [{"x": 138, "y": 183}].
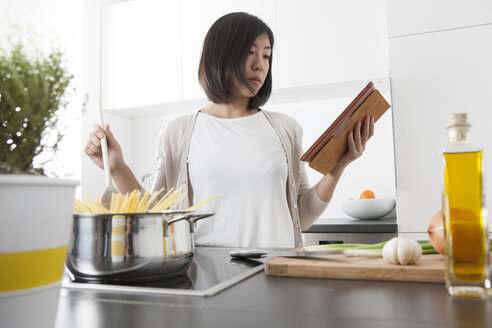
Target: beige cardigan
[{"x": 172, "y": 169}]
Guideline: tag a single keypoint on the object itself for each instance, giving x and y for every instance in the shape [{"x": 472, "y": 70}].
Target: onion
[{"x": 436, "y": 232}]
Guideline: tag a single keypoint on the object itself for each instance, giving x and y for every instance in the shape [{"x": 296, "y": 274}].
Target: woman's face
[{"x": 256, "y": 69}]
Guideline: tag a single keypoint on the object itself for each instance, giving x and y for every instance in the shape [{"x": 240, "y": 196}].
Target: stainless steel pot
[{"x": 131, "y": 247}]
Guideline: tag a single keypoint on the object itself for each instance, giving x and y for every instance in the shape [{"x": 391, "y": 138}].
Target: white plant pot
[{"x": 35, "y": 224}]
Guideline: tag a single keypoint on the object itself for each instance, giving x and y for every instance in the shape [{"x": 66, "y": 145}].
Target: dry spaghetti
[{"x": 135, "y": 202}]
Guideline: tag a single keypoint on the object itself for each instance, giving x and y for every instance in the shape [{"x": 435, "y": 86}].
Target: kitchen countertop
[
  {"x": 265, "y": 301},
  {"x": 348, "y": 225}
]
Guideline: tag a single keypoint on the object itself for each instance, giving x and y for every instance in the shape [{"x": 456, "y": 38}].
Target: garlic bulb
[{"x": 402, "y": 251}]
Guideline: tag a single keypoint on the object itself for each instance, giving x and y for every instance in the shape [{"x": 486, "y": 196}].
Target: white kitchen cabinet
[
  {"x": 198, "y": 17},
  {"x": 141, "y": 54},
  {"x": 434, "y": 75},
  {"x": 424, "y": 16},
  {"x": 151, "y": 49},
  {"x": 320, "y": 42}
]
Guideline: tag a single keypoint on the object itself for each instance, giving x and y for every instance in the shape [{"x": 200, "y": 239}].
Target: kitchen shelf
[{"x": 347, "y": 89}]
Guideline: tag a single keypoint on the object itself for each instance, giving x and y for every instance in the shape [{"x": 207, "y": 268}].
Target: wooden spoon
[{"x": 110, "y": 188}]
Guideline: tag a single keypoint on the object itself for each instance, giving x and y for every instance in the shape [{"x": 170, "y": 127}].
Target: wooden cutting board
[{"x": 430, "y": 268}]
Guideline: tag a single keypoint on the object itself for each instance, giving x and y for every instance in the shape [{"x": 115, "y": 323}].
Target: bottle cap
[{"x": 457, "y": 120}]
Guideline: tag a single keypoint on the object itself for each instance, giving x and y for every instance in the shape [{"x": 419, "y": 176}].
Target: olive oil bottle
[{"x": 465, "y": 215}]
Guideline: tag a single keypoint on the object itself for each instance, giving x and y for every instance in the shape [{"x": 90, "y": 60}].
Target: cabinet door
[
  {"x": 198, "y": 17},
  {"x": 141, "y": 54},
  {"x": 432, "y": 76},
  {"x": 322, "y": 42},
  {"x": 419, "y": 16}
]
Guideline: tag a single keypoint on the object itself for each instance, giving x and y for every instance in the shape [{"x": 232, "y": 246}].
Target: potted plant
[
  {"x": 35, "y": 210},
  {"x": 32, "y": 90}
]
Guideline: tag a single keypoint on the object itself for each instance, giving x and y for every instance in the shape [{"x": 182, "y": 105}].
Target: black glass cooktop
[{"x": 212, "y": 270}]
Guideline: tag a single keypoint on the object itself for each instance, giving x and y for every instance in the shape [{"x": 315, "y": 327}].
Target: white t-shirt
[{"x": 243, "y": 161}]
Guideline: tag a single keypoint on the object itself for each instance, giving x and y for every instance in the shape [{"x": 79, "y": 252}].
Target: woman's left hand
[{"x": 357, "y": 139}]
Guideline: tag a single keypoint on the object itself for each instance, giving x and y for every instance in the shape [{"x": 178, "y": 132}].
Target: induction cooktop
[{"x": 212, "y": 271}]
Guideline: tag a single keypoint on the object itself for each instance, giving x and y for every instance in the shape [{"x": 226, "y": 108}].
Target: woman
[{"x": 248, "y": 156}]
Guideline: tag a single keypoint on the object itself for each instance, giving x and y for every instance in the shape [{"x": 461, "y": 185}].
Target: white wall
[
  {"x": 440, "y": 63},
  {"x": 92, "y": 182}
]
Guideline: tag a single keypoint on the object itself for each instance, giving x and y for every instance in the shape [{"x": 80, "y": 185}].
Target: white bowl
[{"x": 366, "y": 209}]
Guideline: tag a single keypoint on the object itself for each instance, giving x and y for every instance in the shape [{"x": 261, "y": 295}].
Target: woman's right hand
[{"x": 94, "y": 151}]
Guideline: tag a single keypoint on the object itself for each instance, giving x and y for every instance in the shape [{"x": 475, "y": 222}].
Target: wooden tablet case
[{"x": 325, "y": 153}]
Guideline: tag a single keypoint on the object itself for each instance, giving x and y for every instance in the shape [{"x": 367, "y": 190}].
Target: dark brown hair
[{"x": 225, "y": 48}]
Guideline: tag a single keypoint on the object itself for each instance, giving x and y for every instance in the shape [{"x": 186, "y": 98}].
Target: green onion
[{"x": 425, "y": 244}]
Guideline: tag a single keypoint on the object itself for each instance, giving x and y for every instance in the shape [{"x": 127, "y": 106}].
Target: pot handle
[
  {"x": 192, "y": 218},
  {"x": 185, "y": 216}
]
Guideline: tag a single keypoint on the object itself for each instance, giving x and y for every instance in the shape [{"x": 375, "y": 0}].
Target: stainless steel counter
[
  {"x": 264, "y": 301},
  {"x": 353, "y": 226}
]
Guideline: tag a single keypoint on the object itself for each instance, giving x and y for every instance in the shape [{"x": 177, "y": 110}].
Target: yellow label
[
  {"x": 117, "y": 248},
  {"x": 118, "y": 230},
  {"x": 31, "y": 269}
]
